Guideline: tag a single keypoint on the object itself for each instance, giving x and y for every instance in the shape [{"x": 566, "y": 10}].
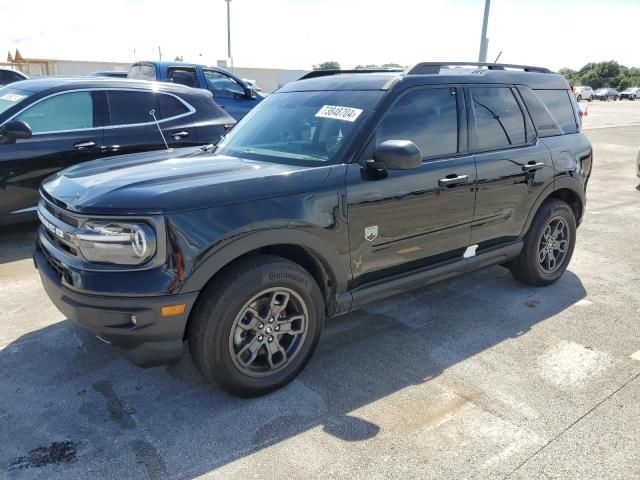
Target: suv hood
[{"x": 165, "y": 181}]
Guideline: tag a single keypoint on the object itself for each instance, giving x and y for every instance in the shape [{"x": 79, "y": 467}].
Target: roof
[
  {"x": 37, "y": 85},
  {"x": 534, "y": 77},
  {"x": 178, "y": 64}
]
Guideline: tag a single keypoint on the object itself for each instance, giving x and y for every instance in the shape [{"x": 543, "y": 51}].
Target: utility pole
[
  {"x": 484, "y": 41},
  {"x": 159, "y": 53},
  {"x": 229, "y": 33}
]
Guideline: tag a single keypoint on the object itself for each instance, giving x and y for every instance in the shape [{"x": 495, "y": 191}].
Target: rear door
[
  {"x": 130, "y": 125},
  {"x": 513, "y": 166},
  {"x": 414, "y": 218},
  {"x": 131, "y": 121},
  {"x": 67, "y": 129}
]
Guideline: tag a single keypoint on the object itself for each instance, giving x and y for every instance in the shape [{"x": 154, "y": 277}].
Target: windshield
[
  {"x": 302, "y": 128},
  {"x": 10, "y": 97}
]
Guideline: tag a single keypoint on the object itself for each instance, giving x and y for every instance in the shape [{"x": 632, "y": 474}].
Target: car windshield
[
  {"x": 10, "y": 97},
  {"x": 301, "y": 128}
]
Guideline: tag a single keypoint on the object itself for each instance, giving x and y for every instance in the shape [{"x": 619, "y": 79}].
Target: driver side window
[
  {"x": 223, "y": 86},
  {"x": 427, "y": 117},
  {"x": 68, "y": 111}
]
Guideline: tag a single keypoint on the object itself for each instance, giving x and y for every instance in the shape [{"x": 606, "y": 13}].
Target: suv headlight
[{"x": 121, "y": 243}]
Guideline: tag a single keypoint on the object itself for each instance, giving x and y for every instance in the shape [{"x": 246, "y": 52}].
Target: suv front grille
[
  {"x": 55, "y": 264},
  {"x": 61, "y": 215},
  {"x": 59, "y": 228}
]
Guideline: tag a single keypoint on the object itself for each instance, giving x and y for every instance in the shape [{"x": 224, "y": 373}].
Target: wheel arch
[
  {"x": 309, "y": 251},
  {"x": 563, "y": 189}
]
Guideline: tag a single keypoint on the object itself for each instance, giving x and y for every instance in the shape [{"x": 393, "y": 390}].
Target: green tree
[
  {"x": 604, "y": 74},
  {"x": 330, "y": 65},
  {"x": 373, "y": 66},
  {"x": 569, "y": 74}
]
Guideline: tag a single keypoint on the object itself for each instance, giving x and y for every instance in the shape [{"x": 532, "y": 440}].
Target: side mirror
[
  {"x": 15, "y": 130},
  {"x": 248, "y": 92},
  {"x": 397, "y": 155}
]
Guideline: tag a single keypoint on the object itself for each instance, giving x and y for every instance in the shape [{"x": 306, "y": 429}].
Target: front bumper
[{"x": 153, "y": 339}]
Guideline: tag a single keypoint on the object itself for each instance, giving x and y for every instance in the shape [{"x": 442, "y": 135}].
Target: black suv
[
  {"x": 339, "y": 189},
  {"x": 48, "y": 124}
]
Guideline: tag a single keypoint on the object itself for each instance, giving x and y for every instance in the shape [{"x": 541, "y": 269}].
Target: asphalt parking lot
[{"x": 477, "y": 377}]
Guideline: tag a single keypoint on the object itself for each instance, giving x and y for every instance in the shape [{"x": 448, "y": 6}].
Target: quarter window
[
  {"x": 499, "y": 119},
  {"x": 428, "y": 118},
  {"x": 130, "y": 108},
  {"x": 560, "y": 106},
  {"x": 68, "y": 111},
  {"x": 542, "y": 118},
  {"x": 171, "y": 107}
]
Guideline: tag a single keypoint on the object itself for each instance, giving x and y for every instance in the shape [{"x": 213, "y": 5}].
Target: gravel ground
[{"x": 477, "y": 377}]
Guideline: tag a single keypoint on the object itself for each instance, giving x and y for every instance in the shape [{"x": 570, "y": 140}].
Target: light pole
[
  {"x": 229, "y": 32},
  {"x": 484, "y": 41}
]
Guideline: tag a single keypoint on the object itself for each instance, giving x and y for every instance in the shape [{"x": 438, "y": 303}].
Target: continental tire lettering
[{"x": 287, "y": 276}]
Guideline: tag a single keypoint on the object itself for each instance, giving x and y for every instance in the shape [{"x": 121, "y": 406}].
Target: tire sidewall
[
  {"x": 549, "y": 211},
  {"x": 218, "y": 329}
]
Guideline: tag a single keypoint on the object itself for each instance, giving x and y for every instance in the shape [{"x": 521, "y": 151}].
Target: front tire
[
  {"x": 257, "y": 325},
  {"x": 548, "y": 245},
  {"x": 579, "y": 99}
]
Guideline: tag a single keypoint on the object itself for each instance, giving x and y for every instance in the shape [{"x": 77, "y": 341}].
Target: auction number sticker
[
  {"x": 336, "y": 112},
  {"x": 12, "y": 97}
]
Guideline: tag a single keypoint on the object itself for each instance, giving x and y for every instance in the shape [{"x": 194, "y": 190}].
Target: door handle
[
  {"x": 179, "y": 135},
  {"x": 84, "y": 145},
  {"x": 453, "y": 179},
  {"x": 532, "y": 166}
]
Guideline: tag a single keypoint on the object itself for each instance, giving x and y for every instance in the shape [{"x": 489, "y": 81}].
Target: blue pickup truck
[{"x": 230, "y": 92}]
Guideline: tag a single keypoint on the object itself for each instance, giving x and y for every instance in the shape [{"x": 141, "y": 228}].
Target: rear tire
[
  {"x": 590, "y": 99},
  {"x": 548, "y": 245},
  {"x": 256, "y": 326},
  {"x": 579, "y": 99}
]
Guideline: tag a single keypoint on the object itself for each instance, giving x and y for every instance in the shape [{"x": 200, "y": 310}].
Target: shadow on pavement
[
  {"x": 70, "y": 404},
  {"x": 17, "y": 241}
]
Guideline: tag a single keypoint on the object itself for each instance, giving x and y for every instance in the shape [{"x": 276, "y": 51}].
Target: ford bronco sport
[{"x": 339, "y": 189}]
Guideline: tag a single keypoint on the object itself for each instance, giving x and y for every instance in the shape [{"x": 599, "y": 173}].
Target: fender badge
[{"x": 371, "y": 233}]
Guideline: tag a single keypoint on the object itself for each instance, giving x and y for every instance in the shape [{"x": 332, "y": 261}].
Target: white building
[{"x": 269, "y": 79}]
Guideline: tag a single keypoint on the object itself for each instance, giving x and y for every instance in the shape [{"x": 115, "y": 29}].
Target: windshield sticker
[
  {"x": 335, "y": 112},
  {"x": 12, "y": 97}
]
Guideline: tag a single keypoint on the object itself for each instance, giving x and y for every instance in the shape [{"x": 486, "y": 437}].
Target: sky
[{"x": 299, "y": 33}]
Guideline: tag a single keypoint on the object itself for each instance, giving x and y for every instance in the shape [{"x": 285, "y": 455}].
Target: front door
[
  {"x": 66, "y": 130},
  {"x": 413, "y": 218},
  {"x": 229, "y": 94}
]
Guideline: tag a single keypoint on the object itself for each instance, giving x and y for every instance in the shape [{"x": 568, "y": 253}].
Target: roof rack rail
[
  {"x": 326, "y": 73},
  {"x": 426, "y": 68}
]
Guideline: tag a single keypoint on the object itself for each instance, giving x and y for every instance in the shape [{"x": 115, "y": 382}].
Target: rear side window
[
  {"x": 560, "y": 106},
  {"x": 142, "y": 72},
  {"x": 428, "y": 118},
  {"x": 542, "y": 118},
  {"x": 130, "y": 108},
  {"x": 171, "y": 107},
  {"x": 68, "y": 111},
  {"x": 499, "y": 120},
  {"x": 183, "y": 76}
]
